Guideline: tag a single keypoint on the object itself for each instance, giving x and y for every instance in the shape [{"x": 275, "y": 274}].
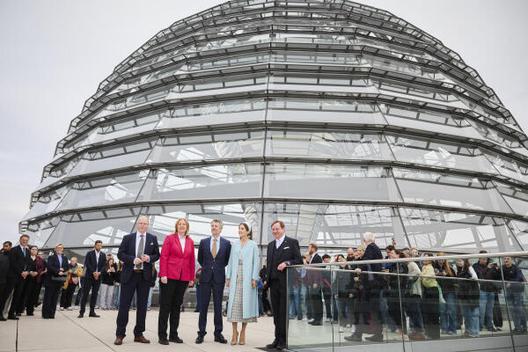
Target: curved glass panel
[{"x": 325, "y": 181}]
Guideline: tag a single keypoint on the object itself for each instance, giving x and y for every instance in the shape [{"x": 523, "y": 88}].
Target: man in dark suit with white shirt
[
  {"x": 18, "y": 265},
  {"x": 213, "y": 256},
  {"x": 94, "y": 264},
  {"x": 138, "y": 252},
  {"x": 282, "y": 252}
]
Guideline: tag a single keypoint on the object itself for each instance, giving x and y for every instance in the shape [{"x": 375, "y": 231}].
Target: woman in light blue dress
[{"x": 241, "y": 279}]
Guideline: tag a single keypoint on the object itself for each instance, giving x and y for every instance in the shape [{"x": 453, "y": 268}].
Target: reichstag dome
[{"x": 336, "y": 117}]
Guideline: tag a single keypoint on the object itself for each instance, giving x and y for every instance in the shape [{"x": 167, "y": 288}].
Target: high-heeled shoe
[
  {"x": 242, "y": 339},
  {"x": 234, "y": 338}
]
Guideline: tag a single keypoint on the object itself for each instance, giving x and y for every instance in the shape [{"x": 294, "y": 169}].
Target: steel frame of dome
[{"x": 336, "y": 117}]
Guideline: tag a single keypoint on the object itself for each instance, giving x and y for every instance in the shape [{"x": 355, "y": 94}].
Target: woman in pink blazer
[{"x": 176, "y": 273}]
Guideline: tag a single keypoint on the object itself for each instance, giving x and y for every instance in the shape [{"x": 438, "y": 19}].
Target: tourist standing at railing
[
  {"x": 108, "y": 280},
  {"x": 514, "y": 293},
  {"x": 413, "y": 301},
  {"x": 356, "y": 291},
  {"x": 468, "y": 297},
  {"x": 397, "y": 285},
  {"x": 313, "y": 282},
  {"x": 326, "y": 288},
  {"x": 486, "y": 270},
  {"x": 372, "y": 284},
  {"x": 177, "y": 272},
  {"x": 75, "y": 273},
  {"x": 430, "y": 299},
  {"x": 341, "y": 288},
  {"x": 241, "y": 279},
  {"x": 282, "y": 252},
  {"x": 448, "y": 310},
  {"x": 57, "y": 265}
]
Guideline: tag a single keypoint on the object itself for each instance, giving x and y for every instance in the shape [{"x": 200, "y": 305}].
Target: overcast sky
[{"x": 54, "y": 53}]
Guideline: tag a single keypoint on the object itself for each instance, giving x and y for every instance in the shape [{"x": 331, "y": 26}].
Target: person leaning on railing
[
  {"x": 413, "y": 298},
  {"x": 448, "y": 309},
  {"x": 468, "y": 297},
  {"x": 430, "y": 299},
  {"x": 514, "y": 293}
]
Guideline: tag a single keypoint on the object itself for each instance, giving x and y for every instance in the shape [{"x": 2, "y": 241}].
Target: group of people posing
[
  {"x": 418, "y": 298},
  {"x": 222, "y": 264},
  {"x": 434, "y": 295}
]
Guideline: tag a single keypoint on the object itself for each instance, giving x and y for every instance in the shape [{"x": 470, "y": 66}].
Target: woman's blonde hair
[{"x": 186, "y": 224}]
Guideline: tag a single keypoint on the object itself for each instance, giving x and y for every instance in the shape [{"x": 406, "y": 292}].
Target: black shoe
[
  {"x": 163, "y": 341},
  {"x": 280, "y": 346},
  {"x": 199, "y": 339},
  {"x": 354, "y": 338},
  {"x": 81, "y": 315},
  {"x": 12, "y": 317},
  {"x": 29, "y": 314},
  {"x": 2, "y": 318},
  {"x": 375, "y": 338},
  {"x": 220, "y": 338},
  {"x": 176, "y": 339},
  {"x": 93, "y": 315},
  {"x": 316, "y": 323},
  {"x": 272, "y": 346}
]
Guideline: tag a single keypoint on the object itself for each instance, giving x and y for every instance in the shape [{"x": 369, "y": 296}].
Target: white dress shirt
[
  {"x": 183, "y": 239},
  {"x": 97, "y": 254},
  {"x": 278, "y": 242}
]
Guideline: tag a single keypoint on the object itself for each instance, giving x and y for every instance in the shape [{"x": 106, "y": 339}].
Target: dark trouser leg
[
  {"x": 125, "y": 299},
  {"x": 430, "y": 312},
  {"x": 204, "y": 307},
  {"x": 87, "y": 285},
  {"x": 19, "y": 286},
  {"x": 317, "y": 303},
  {"x": 21, "y": 303},
  {"x": 30, "y": 296},
  {"x": 55, "y": 290},
  {"x": 165, "y": 309},
  {"x": 95, "y": 291},
  {"x": 179, "y": 291},
  {"x": 142, "y": 292},
  {"x": 46, "y": 303},
  {"x": 278, "y": 303},
  {"x": 218, "y": 293}
]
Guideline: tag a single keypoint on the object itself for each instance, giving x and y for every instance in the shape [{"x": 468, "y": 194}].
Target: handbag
[{"x": 58, "y": 278}]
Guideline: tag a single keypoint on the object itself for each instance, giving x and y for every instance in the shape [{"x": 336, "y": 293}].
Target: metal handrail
[{"x": 419, "y": 259}]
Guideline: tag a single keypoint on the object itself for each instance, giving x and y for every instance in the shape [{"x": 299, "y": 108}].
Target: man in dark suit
[
  {"x": 94, "y": 264},
  {"x": 18, "y": 265},
  {"x": 213, "y": 256},
  {"x": 282, "y": 252},
  {"x": 4, "y": 271},
  {"x": 313, "y": 281},
  {"x": 138, "y": 252},
  {"x": 57, "y": 266}
]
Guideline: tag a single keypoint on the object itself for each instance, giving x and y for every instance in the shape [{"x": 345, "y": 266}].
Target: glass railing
[{"x": 441, "y": 303}]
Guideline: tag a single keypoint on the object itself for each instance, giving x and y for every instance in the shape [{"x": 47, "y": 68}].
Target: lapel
[{"x": 208, "y": 247}]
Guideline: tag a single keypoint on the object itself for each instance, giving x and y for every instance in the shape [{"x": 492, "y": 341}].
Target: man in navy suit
[
  {"x": 94, "y": 264},
  {"x": 138, "y": 252},
  {"x": 213, "y": 256}
]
